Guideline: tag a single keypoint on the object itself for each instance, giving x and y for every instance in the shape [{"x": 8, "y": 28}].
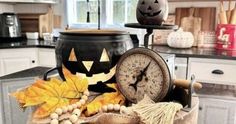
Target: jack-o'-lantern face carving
[
  {"x": 151, "y": 12},
  {"x": 97, "y": 64},
  {"x": 92, "y": 53}
]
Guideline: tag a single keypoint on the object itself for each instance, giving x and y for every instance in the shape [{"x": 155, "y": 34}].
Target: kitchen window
[{"x": 114, "y": 13}]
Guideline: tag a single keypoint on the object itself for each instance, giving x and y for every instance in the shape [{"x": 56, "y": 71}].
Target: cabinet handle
[
  {"x": 200, "y": 108},
  {"x": 217, "y": 71},
  {"x": 33, "y": 61},
  {"x": 176, "y": 67}
]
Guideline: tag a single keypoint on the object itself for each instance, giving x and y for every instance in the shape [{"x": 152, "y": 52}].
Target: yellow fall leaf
[
  {"x": 105, "y": 99},
  {"x": 76, "y": 86},
  {"x": 52, "y": 94}
]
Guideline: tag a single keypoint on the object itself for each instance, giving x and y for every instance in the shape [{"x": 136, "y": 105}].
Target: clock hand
[
  {"x": 140, "y": 77},
  {"x": 145, "y": 69}
]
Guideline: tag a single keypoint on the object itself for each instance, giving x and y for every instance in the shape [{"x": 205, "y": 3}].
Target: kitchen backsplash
[
  {"x": 173, "y": 5},
  {"x": 23, "y": 8},
  {"x": 6, "y": 7},
  {"x": 41, "y": 8},
  {"x": 31, "y": 8},
  {"x": 59, "y": 9}
]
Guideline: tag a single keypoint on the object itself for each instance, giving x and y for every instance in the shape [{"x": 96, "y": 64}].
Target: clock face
[{"x": 142, "y": 71}]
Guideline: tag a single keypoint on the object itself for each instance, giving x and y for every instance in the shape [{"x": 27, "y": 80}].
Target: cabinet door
[
  {"x": 1, "y": 105},
  {"x": 181, "y": 68},
  {"x": 47, "y": 57},
  {"x": 30, "y": 1},
  {"x": 217, "y": 111},
  {"x": 171, "y": 63},
  {"x": 11, "y": 65},
  {"x": 1, "y": 68},
  {"x": 217, "y": 71},
  {"x": 13, "y": 60},
  {"x": 12, "y": 112}
]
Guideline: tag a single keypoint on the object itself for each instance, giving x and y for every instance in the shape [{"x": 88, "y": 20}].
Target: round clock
[{"x": 142, "y": 71}]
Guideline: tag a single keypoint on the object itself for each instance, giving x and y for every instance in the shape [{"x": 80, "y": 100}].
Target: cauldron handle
[
  {"x": 59, "y": 69},
  {"x": 45, "y": 76}
]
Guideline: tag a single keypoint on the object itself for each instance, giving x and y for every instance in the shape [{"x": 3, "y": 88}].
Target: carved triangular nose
[
  {"x": 149, "y": 8},
  {"x": 88, "y": 65},
  {"x": 72, "y": 56}
]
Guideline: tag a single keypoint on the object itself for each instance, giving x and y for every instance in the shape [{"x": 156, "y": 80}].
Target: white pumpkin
[{"x": 180, "y": 39}]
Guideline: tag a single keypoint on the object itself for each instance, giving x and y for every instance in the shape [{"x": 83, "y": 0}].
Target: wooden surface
[
  {"x": 233, "y": 16},
  {"x": 192, "y": 24},
  {"x": 46, "y": 23},
  {"x": 29, "y": 22},
  {"x": 207, "y": 14},
  {"x": 38, "y": 22},
  {"x": 56, "y": 21}
]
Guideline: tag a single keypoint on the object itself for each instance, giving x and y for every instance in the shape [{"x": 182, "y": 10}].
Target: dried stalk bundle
[{"x": 159, "y": 113}]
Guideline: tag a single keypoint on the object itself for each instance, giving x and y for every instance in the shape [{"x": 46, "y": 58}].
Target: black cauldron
[{"x": 91, "y": 52}]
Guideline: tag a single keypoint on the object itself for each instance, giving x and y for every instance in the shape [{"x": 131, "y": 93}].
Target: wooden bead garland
[
  {"x": 114, "y": 107},
  {"x": 74, "y": 108}
]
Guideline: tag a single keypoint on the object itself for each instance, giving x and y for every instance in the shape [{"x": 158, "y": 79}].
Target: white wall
[
  {"x": 6, "y": 8},
  {"x": 60, "y": 9},
  {"x": 31, "y": 8}
]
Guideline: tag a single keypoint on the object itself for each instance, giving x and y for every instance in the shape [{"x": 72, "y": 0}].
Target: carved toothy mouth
[
  {"x": 149, "y": 14},
  {"x": 99, "y": 77}
]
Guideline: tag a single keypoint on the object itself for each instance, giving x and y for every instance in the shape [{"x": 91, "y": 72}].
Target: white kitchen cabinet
[
  {"x": 217, "y": 71},
  {"x": 181, "y": 65},
  {"x": 216, "y": 111},
  {"x": 1, "y": 70},
  {"x": 1, "y": 106},
  {"x": 30, "y": 1},
  {"x": 13, "y": 60},
  {"x": 171, "y": 63},
  {"x": 46, "y": 57},
  {"x": 12, "y": 114}
]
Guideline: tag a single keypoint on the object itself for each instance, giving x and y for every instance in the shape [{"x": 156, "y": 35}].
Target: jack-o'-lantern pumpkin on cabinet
[
  {"x": 152, "y": 12},
  {"x": 92, "y": 53}
]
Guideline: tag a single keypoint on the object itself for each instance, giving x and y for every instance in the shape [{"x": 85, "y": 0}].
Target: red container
[{"x": 226, "y": 37}]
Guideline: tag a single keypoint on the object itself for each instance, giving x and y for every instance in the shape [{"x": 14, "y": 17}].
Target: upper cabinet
[{"x": 29, "y": 1}]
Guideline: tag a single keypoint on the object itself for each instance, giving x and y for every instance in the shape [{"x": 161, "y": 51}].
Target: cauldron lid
[{"x": 93, "y": 32}]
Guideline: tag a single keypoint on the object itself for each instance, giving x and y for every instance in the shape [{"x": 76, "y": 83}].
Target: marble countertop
[
  {"x": 27, "y": 44},
  {"x": 32, "y": 72},
  {"x": 197, "y": 52},
  {"x": 190, "y": 52},
  {"x": 217, "y": 90}
]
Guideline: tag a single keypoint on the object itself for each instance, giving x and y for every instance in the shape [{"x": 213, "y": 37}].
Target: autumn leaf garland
[
  {"x": 46, "y": 96},
  {"x": 52, "y": 94}
]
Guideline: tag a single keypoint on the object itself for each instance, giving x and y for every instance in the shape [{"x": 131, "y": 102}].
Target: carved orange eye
[
  {"x": 88, "y": 64},
  {"x": 104, "y": 56},
  {"x": 72, "y": 56}
]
